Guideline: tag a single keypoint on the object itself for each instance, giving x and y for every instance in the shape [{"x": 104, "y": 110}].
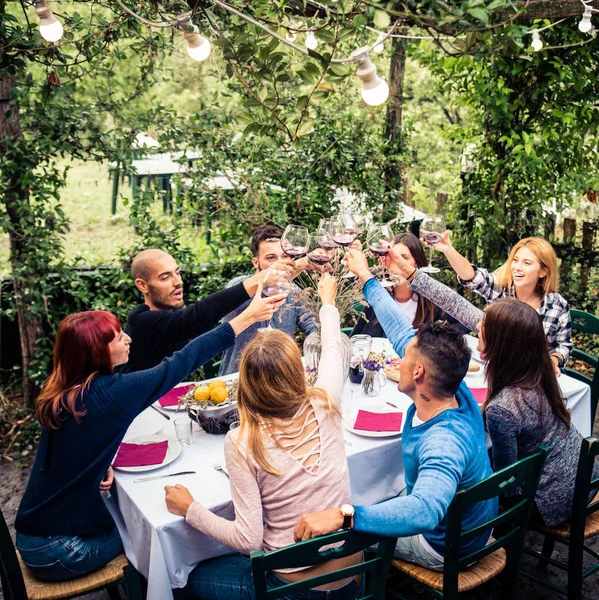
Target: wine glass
[
  {"x": 322, "y": 248},
  {"x": 295, "y": 241},
  {"x": 379, "y": 238},
  {"x": 276, "y": 281},
  {"x": 322, "y": 236},
  {"x": 344, "y": 229},
  {"x": 432, "y": 229}
]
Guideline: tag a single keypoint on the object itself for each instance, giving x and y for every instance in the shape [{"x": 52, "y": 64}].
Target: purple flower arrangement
[{"x": 375, "y": 361}]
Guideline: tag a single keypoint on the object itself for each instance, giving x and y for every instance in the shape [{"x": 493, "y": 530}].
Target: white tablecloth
[{"x": 165, "y": 549}]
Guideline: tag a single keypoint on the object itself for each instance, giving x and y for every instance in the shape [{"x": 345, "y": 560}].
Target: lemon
[
  {"x": 216, "y": 383},
  {"x": 219, "y": 394},
  {"x": 202, "y": 393}
]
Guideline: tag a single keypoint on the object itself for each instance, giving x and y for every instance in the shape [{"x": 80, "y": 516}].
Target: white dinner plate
[
  {"x": 349, "y": 420},
  {"x": 173, "y": 450}
]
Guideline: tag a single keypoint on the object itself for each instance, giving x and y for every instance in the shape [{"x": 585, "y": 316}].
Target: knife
[
  {"x": 163, "y": 476},
  {"x": 160, "y": 412}
]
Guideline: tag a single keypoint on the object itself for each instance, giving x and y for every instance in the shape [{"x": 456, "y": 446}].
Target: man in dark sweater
[{"x": 161, "y": 326}]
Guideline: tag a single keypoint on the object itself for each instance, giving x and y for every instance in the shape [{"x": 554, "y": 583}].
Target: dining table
[{"x": 164, "y": 549}]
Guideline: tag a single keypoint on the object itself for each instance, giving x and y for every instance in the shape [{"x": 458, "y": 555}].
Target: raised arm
[{"x": 460, "y": 264}]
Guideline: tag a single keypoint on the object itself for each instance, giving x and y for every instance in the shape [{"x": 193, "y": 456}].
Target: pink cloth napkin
[
  {"x": 172, "y": 398},
  {"x": 369, "y": 421},
  {"x": 140, "y": 455},
  {"x": 480, "y": 394}
]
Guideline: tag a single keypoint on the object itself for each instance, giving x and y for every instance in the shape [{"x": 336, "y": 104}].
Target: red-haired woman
[{"x": 63, "y": 528}]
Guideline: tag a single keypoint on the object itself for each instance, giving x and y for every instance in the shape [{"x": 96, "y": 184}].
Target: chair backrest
[
  {"x": 524, "y": 475},
  {"x": 320, "y": 550},
  {"x": 584, "y": 486},
  {"x": 13, "y": 586},
  {"x": 587, "y": 323}
]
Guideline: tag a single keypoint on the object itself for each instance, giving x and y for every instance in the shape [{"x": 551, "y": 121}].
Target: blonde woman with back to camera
[
  {"x": 287, "y": 458},
  {"x": 530, "y": 275}
]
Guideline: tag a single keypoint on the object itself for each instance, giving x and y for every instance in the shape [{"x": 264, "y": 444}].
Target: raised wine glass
[
  {"x": 295, "y": 241},
  {"x": 344, "y": 229},
  {"x": 379, "y": 238},
  {"x": 322, "y": 248},
  {"x": 431, "y": 230},
  {"x": 276, "y": 281}
]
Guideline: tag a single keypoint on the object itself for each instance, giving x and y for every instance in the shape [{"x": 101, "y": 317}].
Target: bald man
[{"x": 161, "y": 326}]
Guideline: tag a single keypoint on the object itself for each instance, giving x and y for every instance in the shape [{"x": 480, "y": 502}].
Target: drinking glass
[
  {"x": 361, "y": 345},
  {"x": 320, "y": 250},
  {"x": 183, "y": 430},
  {"x": 295, "y": 240},
  {"x": 432, "y": 229},
  {"x": 276, "y": 281},
  {"x": 323, "y": 236},
  {"x": 380, "y": 237},
  {"x": 344, "y": 229}
]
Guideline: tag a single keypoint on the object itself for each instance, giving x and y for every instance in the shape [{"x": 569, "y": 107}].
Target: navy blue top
[
  {"x": 440, "y": 456},
  {"x": 63, "y": 494}
]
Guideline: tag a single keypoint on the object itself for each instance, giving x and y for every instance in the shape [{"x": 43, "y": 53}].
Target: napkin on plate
[
  {"x": 370, "y": 421},
  {"x": 140, "y": 455},
  {"x": 480, "y": 394},
  {"x": 172, "y": 398}
]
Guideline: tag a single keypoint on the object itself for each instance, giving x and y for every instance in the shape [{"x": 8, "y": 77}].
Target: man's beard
[{"x": 164, "y": 301}]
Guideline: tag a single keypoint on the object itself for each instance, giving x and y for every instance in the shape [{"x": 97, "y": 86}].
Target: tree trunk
[{"x": 16, "y": 200}]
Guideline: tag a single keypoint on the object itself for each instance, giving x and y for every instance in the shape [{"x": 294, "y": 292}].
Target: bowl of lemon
[{"x": 213, "y": 405}]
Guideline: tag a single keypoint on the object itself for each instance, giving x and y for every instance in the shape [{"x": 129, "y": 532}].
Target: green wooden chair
[
  {"x": 584, "y": 524},
  {"x": 19, "y": 583},
  {"x": 501, "y": 556},
  {"x": 318, "y": 551},
  {"x": 587, "y": 323}
]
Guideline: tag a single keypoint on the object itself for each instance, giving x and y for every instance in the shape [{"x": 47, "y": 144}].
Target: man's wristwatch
[{"x": 347, "y": 510}]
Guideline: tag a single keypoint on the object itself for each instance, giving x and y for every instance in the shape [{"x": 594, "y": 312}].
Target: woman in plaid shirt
[{"x": 529, "y": 274}]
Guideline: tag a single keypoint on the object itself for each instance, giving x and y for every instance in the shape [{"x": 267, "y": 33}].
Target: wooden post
[
  {"x": 442, "y": 198},
  {"x": 569, "y": 235},
  {"x": 588, "y": 233},
  {"x": 549, "y": 229}
]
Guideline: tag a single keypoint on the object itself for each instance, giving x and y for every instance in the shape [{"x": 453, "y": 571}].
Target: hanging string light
[
  {"x": 375, "y": 90},
  {"x": 50, "y": 27},
  {"x": 311, "y": 40},
  {"x": 537, "y": 42},
  {"x": 198, "y": 47},
  {"x": 585, "y": 24},
  {"x": 379, "y": 44}
]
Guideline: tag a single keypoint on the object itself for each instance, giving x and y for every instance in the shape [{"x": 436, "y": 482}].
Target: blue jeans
[
  {"x": 415, "y": 549},
  {"x": 230, "y": 578},
  {"x": 59, "y": 557}
]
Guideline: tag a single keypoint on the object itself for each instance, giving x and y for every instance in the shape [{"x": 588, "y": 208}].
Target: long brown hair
[
  {"x": 517, "y": 354},
  {"x": 80, "y": 353},
  {"x": 426, "y": 308},
  {"x": 545, "y": 254},
  {"x": 272, "y": 385}
]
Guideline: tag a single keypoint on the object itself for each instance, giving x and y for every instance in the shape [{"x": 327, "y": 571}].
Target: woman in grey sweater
[{"x": 524, "y": 405}]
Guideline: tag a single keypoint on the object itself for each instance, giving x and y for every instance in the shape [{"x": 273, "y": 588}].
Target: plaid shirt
[{"x": 554, "y": 311}]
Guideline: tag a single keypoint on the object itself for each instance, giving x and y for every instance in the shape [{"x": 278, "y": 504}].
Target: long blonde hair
[
  {"x": 545, "y": 254},
  {"x": 272, "y": 385}
]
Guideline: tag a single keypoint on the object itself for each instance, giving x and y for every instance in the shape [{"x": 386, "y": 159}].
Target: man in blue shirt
[
  {"x": 444, "y": 444},
  {"x": 266, "y": 250}
]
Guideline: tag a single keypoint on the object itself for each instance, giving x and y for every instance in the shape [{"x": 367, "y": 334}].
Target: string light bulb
[
  {"x": 198, "y": 47},
  {"x": 537, "y": 42},
  {"x": 311, "y": 40},
  {"x": 379, "y": 45},
  {"x": 291, "y": 36},
  {"x": 375, "y": 90},
  {"x": 50, "y": 27},
  {"x": 585, "y": 24}
]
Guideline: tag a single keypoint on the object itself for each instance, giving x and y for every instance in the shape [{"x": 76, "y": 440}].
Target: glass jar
[
  {"x": 372, "y": 382},
  {"x": 312, "y": 348},
  {"x": 361, "y": 345}
]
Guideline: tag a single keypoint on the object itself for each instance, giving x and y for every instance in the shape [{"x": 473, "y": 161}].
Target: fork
[{"x": 221, "y": 469}]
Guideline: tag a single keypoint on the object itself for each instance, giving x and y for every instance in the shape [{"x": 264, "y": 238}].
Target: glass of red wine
[
  {"x": 276, "y": 281},
  {"x": 344, "y": 229},
  {"x": 322, "y": 248},
  {"x": 323, "y": 236},
  {"x": 380, "y": 237},
  {"x": 295, "y": 241},
  {"x": 431, "y": 230}
]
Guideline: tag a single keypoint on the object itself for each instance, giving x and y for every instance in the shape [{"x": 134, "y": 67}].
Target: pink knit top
[{"x": 313, "y": 467}]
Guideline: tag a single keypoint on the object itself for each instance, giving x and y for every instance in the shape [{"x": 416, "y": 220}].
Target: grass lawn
[{"x": 96, "y": 236}]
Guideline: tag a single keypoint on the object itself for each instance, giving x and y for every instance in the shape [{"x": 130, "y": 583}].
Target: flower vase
[
  {"x": 372, "y": 382},
  {"x": 312, "y": 348}
]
